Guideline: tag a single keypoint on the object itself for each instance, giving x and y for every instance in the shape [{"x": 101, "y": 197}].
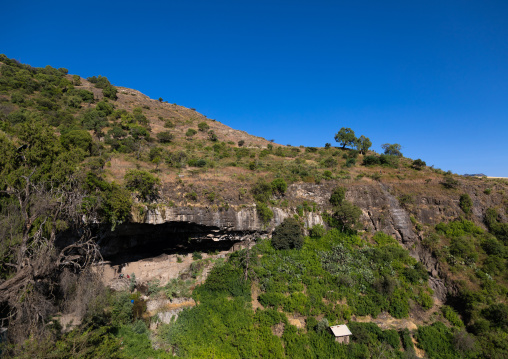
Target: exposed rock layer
[{"x": 186, "y": 229}]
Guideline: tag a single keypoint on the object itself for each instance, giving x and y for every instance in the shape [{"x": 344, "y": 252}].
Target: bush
[
  {"x": 399, "y": 306},
  {"x": 330, "y": 162},
  {"x": 288, "y": 235},
  {"x": 203, "y": 126},
  {"x": 165, "y": 137},
  {"x": 264, "y": 213},
  {"x": 449, "y": 183},
  {"x": 190, "y": 132},
  {"x": 466, "y": 203},
  {"x": 452, "y": 316},
  {"x": 389, "y": 161},
  {"x": 262, "y": 191},
  {"x": 337, "y": 196},
  {"x": 279, "y": 186},
  {"x": 77, "y": 139},
  {"x": 436, "y": 340},
  {"x": 418, "y": 164},
  {"x": 371, "y": 161},
  {"x": 241, "y": 143},
  {"x": 168, "y": 124},
  {"x": 142, "y": 182},
  {"x": 212, "y": 136},
  {"x": 317, "y": 231}
]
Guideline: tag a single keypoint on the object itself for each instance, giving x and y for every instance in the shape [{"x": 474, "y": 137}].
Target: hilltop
[{"x": 98, "y": 179}]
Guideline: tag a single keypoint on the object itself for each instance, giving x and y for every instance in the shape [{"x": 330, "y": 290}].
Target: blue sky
[{"x": 430, "y": 75}]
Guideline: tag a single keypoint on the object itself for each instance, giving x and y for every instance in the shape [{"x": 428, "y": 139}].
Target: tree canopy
[
  {"x": 392, "y": 149},
  {"x": 345, "y": 137}
]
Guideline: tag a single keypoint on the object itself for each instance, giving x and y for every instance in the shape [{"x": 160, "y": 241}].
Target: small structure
[{"x": 341, "y": 333}]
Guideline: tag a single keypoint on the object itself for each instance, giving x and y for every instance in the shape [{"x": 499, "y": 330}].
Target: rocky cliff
[{"x": 386, "y": 207}]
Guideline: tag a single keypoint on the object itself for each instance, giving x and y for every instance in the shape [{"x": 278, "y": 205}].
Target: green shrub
[
  {"x": 449, "y": 182},
  {"x": 350, "y": 162},
  {"x": 389, "y": 161},
  {"x": 466, "y": 203},
  {"x": 264, "y": 213},
  {"x": 371, "y": 160},
  {"x": 437, "y": 341},
  {"x": 197, "y": 255},
  {"x": 165, "y": 137},
  {"x": 279, "y": 186},
  {"x": 407, "y": 342},
  {"x": 418, "y": 164},
  {"x": 212, "y": 136},
  {"x": 452, "y": 316},
  {"x": 329, "y": 162},
  {"x": 288, "y": 235},
  {"x": 317, "y": 231},
  {"x": 261, "y": 191},
  {"x": 399, "y": 305},
  {"x": 77, "y": 139},
  {"x": 168, "y": 124},
  {"x": 338, "y": 195},
  {"x": 391, "y": 337},
  {"x": 143, "y": 182},
  {"x": 203, "y": 126},
  {"x": 190, "y": 132}
]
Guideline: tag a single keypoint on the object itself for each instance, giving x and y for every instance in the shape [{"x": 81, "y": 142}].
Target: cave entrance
[
  {"x": 138, "y": 241},
  {"x": 164, "y": 252}
]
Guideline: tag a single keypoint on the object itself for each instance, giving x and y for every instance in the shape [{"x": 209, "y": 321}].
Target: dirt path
[{"x": 254, "y": 291}]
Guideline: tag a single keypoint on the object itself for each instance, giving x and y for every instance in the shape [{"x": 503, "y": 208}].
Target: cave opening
[{"x": 138, "y": 241}]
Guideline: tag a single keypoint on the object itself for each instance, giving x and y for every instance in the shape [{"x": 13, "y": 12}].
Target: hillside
[{"x": 98, "y": 180}]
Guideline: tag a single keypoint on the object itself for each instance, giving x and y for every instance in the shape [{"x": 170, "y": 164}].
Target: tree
[
  {"x": 345, "y": 137},
  {"x": 288, "y": 235},
  {"x": 347, "y": 214},
  {"x": 363, "y": 144},
  {"x": 77, "y": 139},
  {"x": 344, "y": 212},
  {"x": 143, "y": 182},
  {"x": 155, "y": 156},
  {"x": 392, "y": 149},
  {"x": 110, "y": 92},
  {"x": 39, "y": 197}
]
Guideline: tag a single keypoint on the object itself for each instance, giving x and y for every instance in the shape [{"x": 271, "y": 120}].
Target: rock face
[{"x": 187, "y": 229}]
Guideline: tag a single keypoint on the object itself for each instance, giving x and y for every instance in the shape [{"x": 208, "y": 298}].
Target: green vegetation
[
  {"x": 288, "y": 235},
  {"x": 72, "y": 160},
  {"x": 345, "y": 137},
  {"x": 143, "y": 183},
  {"x": 392, "y": 149},
  {"x": 466, "y": 203},
  {"x": 345, "y": 214}
]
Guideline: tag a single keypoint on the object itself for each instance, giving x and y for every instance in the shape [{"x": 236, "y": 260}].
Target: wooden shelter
[{"x": 341, "y": 333}]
